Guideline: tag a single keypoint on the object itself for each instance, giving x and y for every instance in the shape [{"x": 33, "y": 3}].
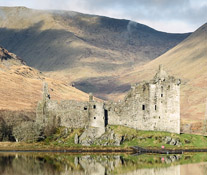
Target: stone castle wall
[
  {"x": 153, "y": 105},
  {"x": 149, "y": 106},
  {"x": 69, "y": 113},
  {"x": 73, "y": 114}
]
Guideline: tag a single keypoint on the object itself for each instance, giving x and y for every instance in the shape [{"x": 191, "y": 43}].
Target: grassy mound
[{"x": 155, "y": 138}]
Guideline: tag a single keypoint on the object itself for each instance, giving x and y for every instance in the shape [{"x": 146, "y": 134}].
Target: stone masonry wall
[
  {"x": 51, "y": 114},
  {"x": 150, "y": 106},
  {"x": 71, "y": 114}
]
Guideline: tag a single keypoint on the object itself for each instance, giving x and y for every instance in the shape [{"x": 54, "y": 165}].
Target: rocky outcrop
[
  {"x": 110, "y": 138},
  {"x": 8, "y": 59},
  {"x": 88, "y": 137},
  {"x": 172, "y": 141}
]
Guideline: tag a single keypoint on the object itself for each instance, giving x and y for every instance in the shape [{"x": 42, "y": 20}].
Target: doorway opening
[{"x": 106, "y": 117}]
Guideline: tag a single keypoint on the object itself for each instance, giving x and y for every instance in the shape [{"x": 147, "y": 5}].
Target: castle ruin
[{"x": 153, "y": 105}]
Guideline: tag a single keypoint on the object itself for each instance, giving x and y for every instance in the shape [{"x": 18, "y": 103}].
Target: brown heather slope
[
  {"x": 187, "y": 61},
  {"x": 75, "y": 47},
  {"x": 21, "y": 86}
]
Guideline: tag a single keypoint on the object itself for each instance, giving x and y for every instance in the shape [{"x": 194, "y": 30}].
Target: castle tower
[
  {"x": 153, "y": 105},
  {"x": 164, "y": 102},
  {"x": 96, "y": 115},
  {"x": 96, "y": 123}
]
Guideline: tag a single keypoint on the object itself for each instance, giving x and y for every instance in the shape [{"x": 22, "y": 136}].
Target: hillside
[
  {"x": 188, "y": 61},
  {"x": 21, "y": 85},
  {"x": 75, "y": 47}
]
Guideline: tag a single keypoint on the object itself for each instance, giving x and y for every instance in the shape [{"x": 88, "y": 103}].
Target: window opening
[{"x": 143, "y": 107}]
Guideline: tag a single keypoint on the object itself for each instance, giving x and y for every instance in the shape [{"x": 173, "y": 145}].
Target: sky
[{"x": 174, "y": 16}]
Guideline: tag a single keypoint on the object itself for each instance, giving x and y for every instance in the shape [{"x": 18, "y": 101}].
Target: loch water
[{"x": 102, "y": 164}]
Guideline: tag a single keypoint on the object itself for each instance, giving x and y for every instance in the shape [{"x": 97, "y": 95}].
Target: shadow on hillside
[
  {"x": 102, "y": 86},
  {"x": 40, "y": 48},
  {"x": 58, "y": 49}
]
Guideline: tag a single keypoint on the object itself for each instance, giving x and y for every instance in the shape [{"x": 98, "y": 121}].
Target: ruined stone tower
[
  {"x": 153, "y": 105},
  {"x": 97, "y": 121},
  {"x": 165, "y": 102},
  {"x": 42, "y": 105},
  {"x": 46, "y": 112},
  {"x": 96, "y": 115}
]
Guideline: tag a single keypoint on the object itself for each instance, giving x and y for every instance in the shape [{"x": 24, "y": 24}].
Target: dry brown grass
[{"x": 21, "y": 89}]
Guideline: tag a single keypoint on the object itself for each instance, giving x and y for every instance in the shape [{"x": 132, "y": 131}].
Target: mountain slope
[
  {"x": 74, "y": 46},
  {"x": 188, "y": 61},
  {"x": 21, "y": 86}
]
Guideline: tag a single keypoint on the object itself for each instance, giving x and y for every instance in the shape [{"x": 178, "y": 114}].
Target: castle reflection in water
[{"x": 62, "y": 164}]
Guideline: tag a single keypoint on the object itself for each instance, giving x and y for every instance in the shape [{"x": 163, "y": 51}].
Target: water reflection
[{"x": 62, "y": 164}]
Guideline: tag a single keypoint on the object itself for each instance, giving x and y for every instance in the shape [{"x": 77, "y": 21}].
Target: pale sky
[{"x": 165, "y": 15}]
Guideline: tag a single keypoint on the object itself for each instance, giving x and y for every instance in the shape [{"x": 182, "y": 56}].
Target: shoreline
[
  {"x": 68, "y": 151},
  {"x": 108, "y": 150},
  {"x": 28, "y": 147}
]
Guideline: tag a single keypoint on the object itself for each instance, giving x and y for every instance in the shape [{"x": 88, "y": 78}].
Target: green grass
[
  {"x": 154, "y": 138},
  {"x": 62, "y": 138},
  {"x": 145, "y": 139}
]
